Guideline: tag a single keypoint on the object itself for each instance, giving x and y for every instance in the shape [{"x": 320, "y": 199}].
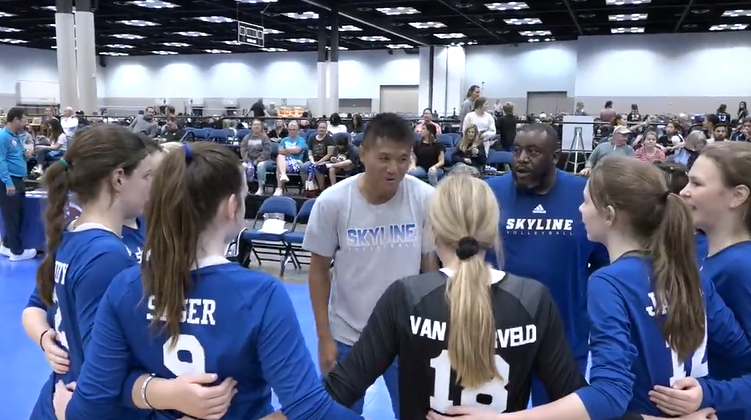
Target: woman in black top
[
  {"x": 722, "y": 114},
  {"x": 427, "y": 156},
  {"x": 279, "y": 132},
  {"x": 742, "y": 110},
  {"x": 320, "y": 150},
  {"x": 470, "y": 151},
  {"x": 506, "y": 129}
]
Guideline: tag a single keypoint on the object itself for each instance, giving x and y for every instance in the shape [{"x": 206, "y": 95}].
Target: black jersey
[
  {"x": 633, "y": 117},
  {"x": 410, "y": 321}
]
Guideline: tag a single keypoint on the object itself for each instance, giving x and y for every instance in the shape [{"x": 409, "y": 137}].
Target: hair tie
[
  {"x": 65, "y": 164},
  {"x": 666, "y": 195},
  {"x": 468, "y": 248},
  {"x": 188, "y": 153}
]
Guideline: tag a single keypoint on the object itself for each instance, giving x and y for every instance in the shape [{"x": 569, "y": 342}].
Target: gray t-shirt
[
  {"x": 607, "y": 149},
  {"x": 372, "y": 247}
]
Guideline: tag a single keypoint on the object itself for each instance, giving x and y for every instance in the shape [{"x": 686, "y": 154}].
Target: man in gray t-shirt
[{"x": 374, "y": 227}]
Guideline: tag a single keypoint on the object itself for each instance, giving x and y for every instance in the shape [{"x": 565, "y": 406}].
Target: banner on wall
[{"x": 250, "y": 34}]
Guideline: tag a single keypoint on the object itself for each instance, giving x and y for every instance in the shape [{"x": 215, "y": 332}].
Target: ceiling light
[
  {"x": 154, "y": 4},
  {"x": 269, "y": 31},
  {"x": 113, "y": 54},
  {"x": 346, "y": 28},
  {"x": 273, "y": 49},
  {"x": 427, "y": 25},
  {"x": 523, "y": 21},
  {"x": 218, "y": 51},
  {"x": 399, "y": 46},
  {"x": 120, "y": 46},
  {"x": 340, "y": 48},
  {"x": 255, "y": 1},
  {"x": 128, "y": 36},
  {"x": 233, "y": 42},
  {"x": 193, "y": 34},
  {"x": 301, "y": 16},
  {"x": 4, "y": 15},
  {"x": 632, "y": 30},
  {"x": 302, "y": 40},
  {"x": 215, "y": 19},
  {"x": 626, "y": 2},
  {"x": 735, "y": 27},
  {"x": 737, "y": 13},
  {"x": 164, "y": 52},
  {"x": 12, "y": 41},
  {"x": 541, "y": 40},
  {"x": 51, "y": 25},
  {"x": 376, "y": 38},
  {"x": 535, "y": 33},
  {"x": 455, "y": 35},
  {"x": 631, "y": 17},
  {"x": 8, "y": 30},
  {"x": 141, "y": 23},
  {"x": 175, "y": 44},
  {"x": 396, "y": 11},
  {"x": 514, "y": 5}
]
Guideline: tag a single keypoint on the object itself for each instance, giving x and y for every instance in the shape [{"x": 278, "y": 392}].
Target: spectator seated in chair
[
  {"x": 255, "y": 149},
  {"x": 172, "y": 130},
  {"x": 320, "y": 151},
  {"x": 343, "y": 161},
  {"x": 279, "y": 132},
  {"x": 292, "y": 150},
  {"x": 470, "y": 151},
  {"x": 52, "y": 152},
  {"x": 427, "y": 156}
]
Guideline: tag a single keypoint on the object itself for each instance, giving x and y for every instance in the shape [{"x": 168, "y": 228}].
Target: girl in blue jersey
[
  {"x": 718, "y": 195},
  {"x": 38, "y": 319},
  {"x": 189, "y": 310},
  {"x": 108, "y": 168},
  {"x": 649, "y": 309}
]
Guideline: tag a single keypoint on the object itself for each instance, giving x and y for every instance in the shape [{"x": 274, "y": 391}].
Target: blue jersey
[
  {"x": 629, "y": 353},
  {"x": 237, "y": 323},
  {"x": 87, "y": 260},
  {"x": 544, "y": 238},
  {"x": 730, "y": 271}
]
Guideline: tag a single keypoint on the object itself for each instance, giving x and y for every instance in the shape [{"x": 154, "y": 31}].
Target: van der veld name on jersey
[
  {"x": 540, "y": 226},
  {"x": 509, "y": 337},
  {"x": 396, "y": 235}
]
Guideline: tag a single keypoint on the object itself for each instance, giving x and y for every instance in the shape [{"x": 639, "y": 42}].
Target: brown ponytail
[{"x": 56, "y": 184}]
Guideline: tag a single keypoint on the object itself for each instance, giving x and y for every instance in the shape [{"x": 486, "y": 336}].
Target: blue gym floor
[{"x": 25, "y": 368}]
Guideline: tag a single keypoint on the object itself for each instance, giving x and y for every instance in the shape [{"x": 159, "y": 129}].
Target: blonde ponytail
[{"x": 472, "y": 324}]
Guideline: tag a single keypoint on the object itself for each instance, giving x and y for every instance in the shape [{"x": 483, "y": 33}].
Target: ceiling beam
[
  {"x": 571, "y": 13},
  {"x": 368, "y": 23},
  {"x": 471, "y": 20},
  {"x": 683, "y": 16}
]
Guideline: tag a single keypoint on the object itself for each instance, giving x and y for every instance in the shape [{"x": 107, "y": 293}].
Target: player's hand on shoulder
[
  {"x": 194, "y": 396},
  {"x": 56, "y": 356},
  {"x": 61, "y": 398},
  {"x": 684, "y": 397},
  {"x": 704, "y": 414},
  {"x": 467, "y": 413}
]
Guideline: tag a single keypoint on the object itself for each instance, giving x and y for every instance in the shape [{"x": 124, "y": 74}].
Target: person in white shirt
[
  {"x": 69, "y": 122},
  {"x": 484, "y": 121},
  {"x": 335, "y": 124}
]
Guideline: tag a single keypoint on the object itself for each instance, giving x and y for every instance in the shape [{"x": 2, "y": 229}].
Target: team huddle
[{"x": 469, "y": 298}]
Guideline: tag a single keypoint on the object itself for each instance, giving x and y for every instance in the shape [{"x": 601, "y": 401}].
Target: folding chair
[
  {"x": 294, "y": 239},
  {"x": 263, "y": 244}
]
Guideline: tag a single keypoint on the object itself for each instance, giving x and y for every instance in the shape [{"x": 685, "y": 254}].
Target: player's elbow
[{"x": 606, "y": 398}]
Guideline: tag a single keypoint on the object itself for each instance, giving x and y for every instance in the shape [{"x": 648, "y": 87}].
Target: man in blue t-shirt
[
  {"x": 12, "y": 189},
  {"x": 543, "y": 235}
]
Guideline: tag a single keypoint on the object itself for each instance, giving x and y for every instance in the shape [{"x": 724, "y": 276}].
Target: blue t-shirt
[
  {"x": 12, "y": 158},
  {"x": 299, "y": 141},
  {"x": 730, "y": 271},
  {"x": 543, "y": 238},
  {"x": 629, "y": 352},
  {"x": 238, "y": 323},
  {"x": 87, "y": 260}
]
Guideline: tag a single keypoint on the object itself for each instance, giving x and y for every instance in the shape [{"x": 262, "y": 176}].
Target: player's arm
[
  {"x": 611, "y": 380},
  {"x": 723, "y": 330},
  {"x": 322, "y": 240},
  {"x": 372, "y": 354},
  {"x": 286, "y": 365},
  {"x": 429, "y": 261},
  {"x": 34, "y": 317},
  {"x": 95, "y": 277}
]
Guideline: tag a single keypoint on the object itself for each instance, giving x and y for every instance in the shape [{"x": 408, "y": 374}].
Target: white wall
[{"x": 259, "y": 75}]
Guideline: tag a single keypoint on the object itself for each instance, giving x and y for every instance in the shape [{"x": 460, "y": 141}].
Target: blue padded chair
[
  {"x": 201, "y": 134},
  {"x": 497, "y": 158},
  {"x": 219, "y": 136},
  {"x": 263, "y": 244},
  {"x": 446, "y": 140},
  {"x": 447, "y": 157},
  {"x": 357, "y": 141},
  {"x": 310, "y": 134},
  {"x": 241, "y": 134},
  {"x": 294, "y": 238},
  {"x": 456, "y": 138}
]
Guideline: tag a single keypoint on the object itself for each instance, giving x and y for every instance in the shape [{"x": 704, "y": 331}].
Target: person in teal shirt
[{"x": 292, "y": 150}]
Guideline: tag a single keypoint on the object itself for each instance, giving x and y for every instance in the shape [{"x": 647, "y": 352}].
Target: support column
[
  {"x": 65, "y": 35},
  {"x": 334, "y": 61},
  {"x": 448, "y": 79},
  {"x": 321, "y": 67},
  {"x": 86, "y": 56}
]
